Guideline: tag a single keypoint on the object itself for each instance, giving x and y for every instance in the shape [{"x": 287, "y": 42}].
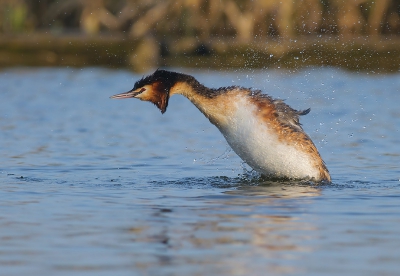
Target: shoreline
[{"x": 365, "y": 53}]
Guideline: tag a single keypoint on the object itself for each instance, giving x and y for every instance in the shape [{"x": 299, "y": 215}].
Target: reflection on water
[
  {"x": 279, "y": 190},
  {"x": 250, "y": 223},
  {"x": 94, "y": 186}
]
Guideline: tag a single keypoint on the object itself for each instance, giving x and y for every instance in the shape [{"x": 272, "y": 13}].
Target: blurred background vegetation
[{"x": 175, "y": 27}]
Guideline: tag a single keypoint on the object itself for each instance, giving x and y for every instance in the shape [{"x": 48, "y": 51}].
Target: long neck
[
  {"x": 189, "y": 87},
  {"x": 212, "y": 104},
  {"x": 193, "y": 90}
]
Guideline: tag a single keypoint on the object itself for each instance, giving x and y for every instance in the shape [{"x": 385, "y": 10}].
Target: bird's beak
[{"x": 129, "y": 94}]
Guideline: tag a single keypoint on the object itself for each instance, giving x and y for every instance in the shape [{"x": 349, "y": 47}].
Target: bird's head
[{"x": 154, "y": 88}]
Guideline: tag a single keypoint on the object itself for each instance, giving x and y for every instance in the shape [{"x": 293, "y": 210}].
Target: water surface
[{"x": 94, "y": 186}]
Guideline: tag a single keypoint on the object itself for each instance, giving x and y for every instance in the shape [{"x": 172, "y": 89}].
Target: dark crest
[{"x": 167, "y": 78}]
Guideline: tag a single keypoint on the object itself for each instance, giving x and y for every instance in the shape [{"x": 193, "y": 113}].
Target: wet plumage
[{"x": 265, "y": 132}]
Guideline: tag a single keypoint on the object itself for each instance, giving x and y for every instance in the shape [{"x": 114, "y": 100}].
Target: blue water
[{"x": 93, "y": 186}]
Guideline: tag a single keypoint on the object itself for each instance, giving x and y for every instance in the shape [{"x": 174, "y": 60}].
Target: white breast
[{"x": 257, "y": 144}]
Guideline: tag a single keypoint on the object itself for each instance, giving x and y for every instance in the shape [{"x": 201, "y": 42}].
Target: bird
[{"x": 264, "y": 132}]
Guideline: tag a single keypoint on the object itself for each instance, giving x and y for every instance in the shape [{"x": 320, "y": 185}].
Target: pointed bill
[{"x": 129, "y": 94}]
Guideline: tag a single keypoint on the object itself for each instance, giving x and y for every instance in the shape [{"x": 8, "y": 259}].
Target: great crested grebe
[{"x": 264, "y": 132}]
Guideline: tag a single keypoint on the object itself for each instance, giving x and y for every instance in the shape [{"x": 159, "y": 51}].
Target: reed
[{"x": 203, "y": 19}]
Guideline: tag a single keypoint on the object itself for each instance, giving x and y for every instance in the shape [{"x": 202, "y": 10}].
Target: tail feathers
[{"x": 304, "y": 112}]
